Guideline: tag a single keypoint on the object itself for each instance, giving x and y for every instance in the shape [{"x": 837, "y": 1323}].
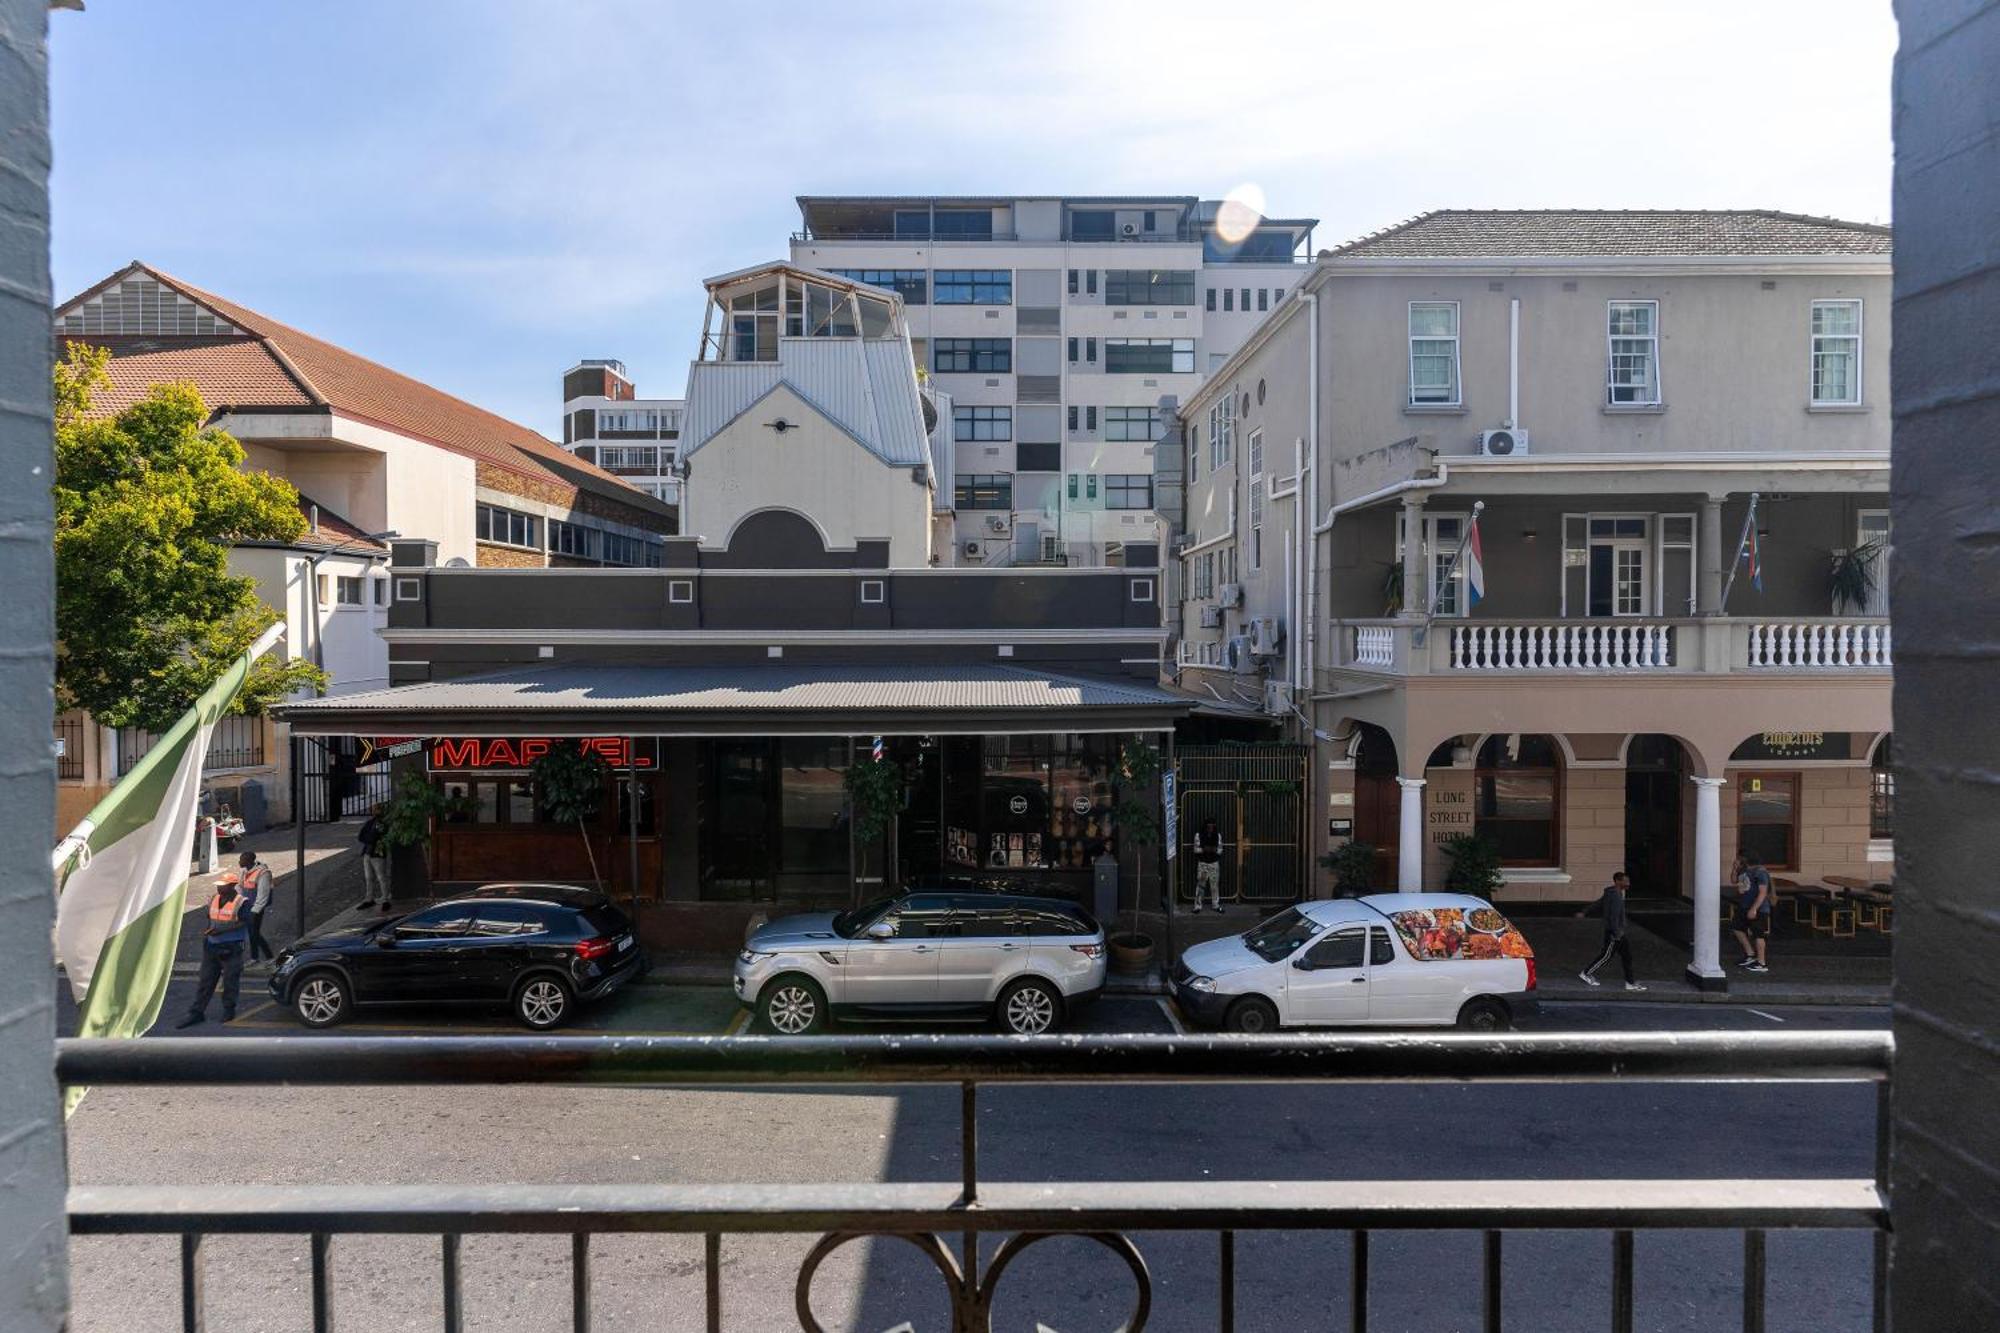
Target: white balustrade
[
  {"x": 1856, "y": 645},
  {"x": 1582, "y": 646},
  {"x": 1374, "y": 646}
]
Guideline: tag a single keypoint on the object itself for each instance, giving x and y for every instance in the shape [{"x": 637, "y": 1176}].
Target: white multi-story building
[
  {"x": 605, "y": 422},
  {"x": 1056, "y": 325}
]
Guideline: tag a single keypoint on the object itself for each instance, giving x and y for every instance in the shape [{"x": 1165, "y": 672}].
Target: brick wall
[
  {"x": 488, "y": 556},
  {"x": 1593, "y": 831}
]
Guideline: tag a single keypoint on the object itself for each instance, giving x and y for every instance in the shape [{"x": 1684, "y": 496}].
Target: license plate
[{"x": 624, "y": 943}]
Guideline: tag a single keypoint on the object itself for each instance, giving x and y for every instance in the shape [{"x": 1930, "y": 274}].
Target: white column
[
  {"x": 1706, "y": 969},
  {"x": 1410, "y": 841}
]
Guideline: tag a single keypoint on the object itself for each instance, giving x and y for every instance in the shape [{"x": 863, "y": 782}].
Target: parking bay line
[
  {"x": 1761, "y": 1014},
  {"x": 1167, "y": 1008}
]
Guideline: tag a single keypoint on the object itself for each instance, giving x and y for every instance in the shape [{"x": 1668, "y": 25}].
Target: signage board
[
  {"x": 1808, "y": 745},
  {"x": 374, "y": 749},
  {"x": 1339, "y": 828},
  {"x": 459, "y": 754},
  {"x": 1172, "y": 810}
]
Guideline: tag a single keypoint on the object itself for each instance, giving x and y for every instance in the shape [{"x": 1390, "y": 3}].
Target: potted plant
[
  {"x": 1850, "y": 577},
  {"x": 1474, "y": 865},
  {"x": 412, "y": 811},
  {"x": 1392, "y": 589},
  {"x": 874, "y": 790},
  {"x": 1138, "y": 815},
  {"x": 1353, "y": 867},
  {"x": 570, "y": 783}
]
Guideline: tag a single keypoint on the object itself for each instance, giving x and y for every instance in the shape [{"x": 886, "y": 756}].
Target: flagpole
[{"x": 1742, "y": 540}]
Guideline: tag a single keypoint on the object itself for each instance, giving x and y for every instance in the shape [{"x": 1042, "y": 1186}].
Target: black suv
[{"x": 538, "y": 948}]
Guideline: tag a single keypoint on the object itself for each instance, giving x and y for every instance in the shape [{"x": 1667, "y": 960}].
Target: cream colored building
[{"x": 1607, "y": 391}]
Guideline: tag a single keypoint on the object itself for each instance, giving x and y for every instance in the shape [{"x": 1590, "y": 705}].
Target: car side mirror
[
  {"x": 881, "y": 930},
  {"x": 384, "y": 939},
  {"x": 1302, "y": 963}
]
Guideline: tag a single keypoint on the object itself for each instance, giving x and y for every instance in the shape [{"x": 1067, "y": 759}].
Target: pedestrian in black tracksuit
[{"x": 1612, "y": 906}]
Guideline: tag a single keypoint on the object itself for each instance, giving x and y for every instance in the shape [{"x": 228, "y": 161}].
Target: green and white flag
[{"x": 121, "y": 873}]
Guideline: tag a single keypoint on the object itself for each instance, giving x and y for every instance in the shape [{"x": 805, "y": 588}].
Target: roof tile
[{"x": 1615, "y": 233}]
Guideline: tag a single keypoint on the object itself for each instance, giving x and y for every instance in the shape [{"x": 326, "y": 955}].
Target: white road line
[
  {"x": 1172, "y": 1017},
  {"x": 1761, "y": 1014}
]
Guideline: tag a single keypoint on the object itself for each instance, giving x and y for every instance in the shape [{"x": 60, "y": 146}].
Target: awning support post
[
  {"x": 632, "y": 819},
  {"x": 299, "y": 824}
]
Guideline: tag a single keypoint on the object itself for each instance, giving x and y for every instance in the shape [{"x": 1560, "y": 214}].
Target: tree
[
  {"x": 874, "y": 793},
  {"x": 570, "y": 782},
  {"x": 147, "y": 505},
  {"x": 411, "y": 813},
  {"x": 1138, "y": 808}
]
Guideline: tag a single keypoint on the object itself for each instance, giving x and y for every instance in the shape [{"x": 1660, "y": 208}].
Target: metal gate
[
  {"x": 1256, "y": 794},
  {"x": 333, "y": 783}
]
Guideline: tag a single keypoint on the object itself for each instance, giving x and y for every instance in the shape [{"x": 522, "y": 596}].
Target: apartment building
[
  {"x": 605, "y": 422},
  {"x": 372, "y": 452},
  {"x": 1056, "y": 324},
  {"x": 1669, "y": 639}
]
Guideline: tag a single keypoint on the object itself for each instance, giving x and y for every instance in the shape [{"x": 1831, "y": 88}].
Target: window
[
  {"x": 1767, "y": 818},
  {"x": 1140, "y": 286},
  {"x": 626, "y": 423},
  {"x": 1434, "y": 353},
  {"x": 640, "y": 459},
  {"x": 1072, "y": 291},
  {"x": 1090, "y": 350},
  {"x": 1257, "y": 453},
  {"x": 1148, "y": 356},
  {"x": 1380, "y": 950},
  {"x": 974, "y": 286},
  {"x": 1882, "y": 793},
  {"x": 506, "y": 920},
  {"x": 381, "y": 584},
  {"x": 1343, "y": 948},
  {"x": 982, "y": 423},
  {"x": 1634, "y": 331},
  {"x": 507, "y": 527},
  {"x": 984, "y": 491},
  {"x": 347, "y": 591},
  {"x": 1132, "y": 490},
  {"x": 965, "y": 224},
  {"x": 1194, "y": 454},
  {"x": 1517, "y": 790},
  {"x": 1836, "y": 353},
  {"x": 912, "y": 284},
  {"x": 1073, "y": 345},
  {"x": 1263, "y": 299},
  {"x": 1038, "y": 457},
  {"x": 1090, "y": 282},
  {"x": 1229, "y": 298},
  {"x": 993, "y": 356},
  {"x": 1222, "y": 431},
  {"x": 1150, "y": 226},
  {"x": 437, "y": 923},
  {"x": 1140, "y": 424},
  {"x": 1210, "y": 301},
  {"x": 1618, "y": 576},
  {"x": 812, "y": 804},
  {"x": 1090, "y": 417},
  {"x": 1073, "y": 414},
  {"x": 1092, "y": 224},
  {"x": 1872, "y": 533},
  {"x": 572, "y": 539},
  {"x": 636, "y": 552}
]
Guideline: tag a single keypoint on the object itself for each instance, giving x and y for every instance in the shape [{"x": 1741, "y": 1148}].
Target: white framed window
[
  {"x": 873, "y": 590},
  {"x": 1434, "y": 354},
  {"x": 1618, "y": 573},
  {"x": 1257, "y": 453},
  {"x": 1674, "y": 558},
  {"x": 1836, "y": 353},
  {"x": 1442, "y": 535},
  {"x": 1632, "y": 330},
  {"x": 1222, "y": 431},
  {"x": 347, "y": 591},
  {"x": 381, "y": 589},
  {"x": 1872, "y": 529},
  {"x": 1256, "y": 514}
]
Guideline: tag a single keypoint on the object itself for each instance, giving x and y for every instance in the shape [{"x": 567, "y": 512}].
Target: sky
[{"x": 479, "y": 193}]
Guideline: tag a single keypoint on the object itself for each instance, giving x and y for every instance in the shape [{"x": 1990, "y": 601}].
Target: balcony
[
  {"x": 1804, "y": 644},
  {"x": 945, "y": 1219}
]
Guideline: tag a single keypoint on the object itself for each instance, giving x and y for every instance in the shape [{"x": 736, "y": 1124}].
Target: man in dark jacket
[
  {"x": 1612, "y": 906},
  {"x": 375, "y": 857}
]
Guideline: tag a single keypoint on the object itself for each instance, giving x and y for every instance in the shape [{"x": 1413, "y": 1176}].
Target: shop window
[
  {"x": 812, "y": 805},
  {"x": 1031, "y": 802},
  {"x": 1517, "y": 789},
  {"x": 1882, "y": 794},
  {"x": 1767, "y": 818}
]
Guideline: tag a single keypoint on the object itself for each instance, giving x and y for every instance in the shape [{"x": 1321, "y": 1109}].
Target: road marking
[
  {"x": 736, "y": 1023},
  {"x": 1761, "y": 1014},
  {"x": 1167, "y": 1008}
]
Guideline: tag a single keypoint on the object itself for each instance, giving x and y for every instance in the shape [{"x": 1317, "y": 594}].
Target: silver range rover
[{"x": 1027, "y": 962}]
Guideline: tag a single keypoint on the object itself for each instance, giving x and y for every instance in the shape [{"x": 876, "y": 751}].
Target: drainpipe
[
  {"x": 1513, "y": 363},
  {"x": 1308, "y": 501}
]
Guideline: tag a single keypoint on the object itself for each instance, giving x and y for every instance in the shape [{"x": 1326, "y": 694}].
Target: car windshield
[
  {"x": 1279, "y": 936},
  {"x": 849, "y": 924}
]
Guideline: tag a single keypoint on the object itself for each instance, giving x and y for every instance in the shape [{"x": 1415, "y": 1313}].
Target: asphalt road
[{"x": 1420, "y": 1281}]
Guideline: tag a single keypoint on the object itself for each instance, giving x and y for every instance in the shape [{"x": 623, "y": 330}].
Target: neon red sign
[{"x": 518, "y": 752}]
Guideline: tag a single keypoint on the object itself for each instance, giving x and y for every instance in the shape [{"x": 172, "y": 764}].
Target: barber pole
[{"x": 879, "y": 751}]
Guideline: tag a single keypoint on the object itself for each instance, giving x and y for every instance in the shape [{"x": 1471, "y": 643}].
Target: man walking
[
  {"x": 1754, "y": 896},
  {"x": 1208, "y": 866},
  {"x": 375, "y": 857},
  {"x": 221, "y": 955},
  {"x": 1612, "y": 906},
  {"x": 255, "y": 882}
]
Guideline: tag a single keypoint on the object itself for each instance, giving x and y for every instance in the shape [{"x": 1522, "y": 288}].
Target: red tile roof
[
  {"x": 333, "y": 530},
  {"x": 277, "y": 366}
]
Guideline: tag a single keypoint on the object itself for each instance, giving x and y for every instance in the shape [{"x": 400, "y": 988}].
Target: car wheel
[
  {"x": 321, "y": 999},
  {"x": 793, "y": 1007},
  {"x": 542, "y": 1002},
  {"x": 1485, "y": 1014},
  {"x": 1252, "y": 1013},
  {"x": 1030, "y": 1007}
]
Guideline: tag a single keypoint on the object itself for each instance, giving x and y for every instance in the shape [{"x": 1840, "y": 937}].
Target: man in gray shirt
[{"x": 1612, "y": 906}]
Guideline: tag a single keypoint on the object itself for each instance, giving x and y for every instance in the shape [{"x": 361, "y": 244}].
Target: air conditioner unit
[
  {"x": 1231, "y": 594},
  {"x": 1267, "y": 636},
  {"x": 972, "y": 551},
  {"x": 1211, "y": 617},
  {"x": 1238, "y": 655},
  {"x": 1503, "y": 443},
  {"x": 996, "y": 522},
  {"x": 1130, "y": 229},
  {"x": 1277, "y": 698}
]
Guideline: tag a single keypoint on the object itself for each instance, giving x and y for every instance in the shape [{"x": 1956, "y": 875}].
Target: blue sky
[{"x": 479, "y": 192}]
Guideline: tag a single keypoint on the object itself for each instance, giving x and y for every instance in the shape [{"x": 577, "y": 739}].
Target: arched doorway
[
  {"x": 1378, "y": 801},
  {"x": 1655, "y": 777}
]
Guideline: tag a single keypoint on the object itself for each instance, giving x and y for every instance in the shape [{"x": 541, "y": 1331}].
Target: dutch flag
[{"x": 1475, "y": 567}]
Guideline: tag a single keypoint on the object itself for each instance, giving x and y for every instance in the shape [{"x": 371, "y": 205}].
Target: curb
[{"x": 1689, "y": 995}]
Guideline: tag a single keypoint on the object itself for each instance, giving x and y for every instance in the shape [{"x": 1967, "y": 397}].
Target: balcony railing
[
  {"x": 1714, "y": 644},
  {"x": 927, "y": 1214}
]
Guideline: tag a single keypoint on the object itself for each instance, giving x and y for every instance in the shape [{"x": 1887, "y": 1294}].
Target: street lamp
[{"x": 312, "y": 585}]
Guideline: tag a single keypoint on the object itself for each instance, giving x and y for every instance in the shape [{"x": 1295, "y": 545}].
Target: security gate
[
  {"x": 333, "y": 782},
  {"x": 1256, "y": 794}
]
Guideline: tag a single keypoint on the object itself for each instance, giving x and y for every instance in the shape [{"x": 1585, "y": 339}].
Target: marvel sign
[{"x": 463, "y": 753}]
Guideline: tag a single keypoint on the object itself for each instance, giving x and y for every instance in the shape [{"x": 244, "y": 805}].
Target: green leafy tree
[
  {"x": 1138, "y": 808},
  {"x": 147, "y": 505},
  {"x": 570, "y": 782},
  {"x": 874, "y": 794}
]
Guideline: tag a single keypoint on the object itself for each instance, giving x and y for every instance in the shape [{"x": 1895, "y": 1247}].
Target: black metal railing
[
  {"x": 69, "y": 751},
  {"x": 925, "y": 1214}
]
